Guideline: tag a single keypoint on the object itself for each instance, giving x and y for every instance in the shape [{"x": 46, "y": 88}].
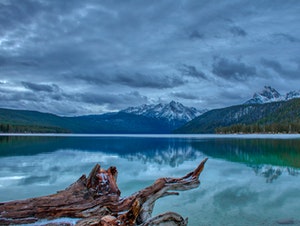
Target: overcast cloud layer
[{"x": 85, "y": 57}]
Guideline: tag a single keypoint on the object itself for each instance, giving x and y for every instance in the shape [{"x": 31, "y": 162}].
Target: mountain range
[
  {"x": 160, "y": 118},
  {"x": 266, "y": 111},
  {"x": 174, "y": 114}
]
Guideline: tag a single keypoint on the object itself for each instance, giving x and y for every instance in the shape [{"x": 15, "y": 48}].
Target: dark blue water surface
[{"x": 248, "y": 180}]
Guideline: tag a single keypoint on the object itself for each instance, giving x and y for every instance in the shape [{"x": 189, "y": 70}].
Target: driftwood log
[{"x": 95, "y": 200}]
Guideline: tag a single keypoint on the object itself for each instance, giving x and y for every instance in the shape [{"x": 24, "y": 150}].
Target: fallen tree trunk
[{"x": 95, "y": 200}]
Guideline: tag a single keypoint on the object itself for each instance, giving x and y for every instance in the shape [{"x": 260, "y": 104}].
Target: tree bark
[{"x": 95, "y": 200}]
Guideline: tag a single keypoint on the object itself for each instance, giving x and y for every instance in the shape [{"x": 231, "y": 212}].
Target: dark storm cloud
[
  {"x": 185, "y": 95},
  {"x": 139, "y": 80},
  {"x": 55, "y": 100},
  {"x": 3, "y": 61},
  {"x": 276, "y": 66},
  {"x": 231, "y": 95},
  {"x": 191, "y": 71},
  {"x": 99, "y": 79},
  {"x": 237, "y": 31},
  {"x": 40, "y": 87},
  {"x": 112, "y": 100},
  {"x": 34, "y": 92},
  {"x": 195, "y": 35},
  {"x": 29, "y": 100},
  {"x": 136, "y": 80},
  {"x": 22, "y": 99},
  {"x": 280, "y": 70},
  {"x": 228, "y": 69},
  {"x": 286, "y": 37},
  {"x": 10, "y": 96},
  {"x": 16, "y": 62}
]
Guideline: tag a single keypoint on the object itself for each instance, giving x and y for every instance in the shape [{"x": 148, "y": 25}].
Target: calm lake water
[{"x": 248, "y": 180}]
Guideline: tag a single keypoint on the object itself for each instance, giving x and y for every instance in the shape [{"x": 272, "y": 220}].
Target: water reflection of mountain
[
  {"x": 276, "y": 152},
  {"x": 171, "y": 151},
  {"x": 272, "y": 173},
  {"x": 32, "y": 145},
  {"x": 172, "y": 156},
  {"x": 149, "y": 150}
]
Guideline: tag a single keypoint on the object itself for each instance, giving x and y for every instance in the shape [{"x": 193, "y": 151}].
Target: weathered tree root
[{"x": 96, "y": 200}]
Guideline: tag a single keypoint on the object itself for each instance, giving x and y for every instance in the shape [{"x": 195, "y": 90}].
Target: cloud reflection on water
[{"x": 229, "y": 191}]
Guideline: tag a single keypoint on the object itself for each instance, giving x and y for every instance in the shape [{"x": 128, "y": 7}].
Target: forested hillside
[{"x": 276, "y": 117}]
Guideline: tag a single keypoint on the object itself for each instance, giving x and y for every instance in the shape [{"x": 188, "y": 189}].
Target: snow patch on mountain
[{"x": 170, "y": 112}]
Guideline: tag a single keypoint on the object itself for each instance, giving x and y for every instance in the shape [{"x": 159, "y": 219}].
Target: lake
[{"x": 248, "y": 179}]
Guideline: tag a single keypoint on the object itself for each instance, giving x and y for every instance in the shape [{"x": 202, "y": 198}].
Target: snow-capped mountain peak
[
  {"x": 270, "y": 93},
  {"x": 171, "y": 111},
  {"x": 267, "y": 95},
  {"x": 292, "y": 94}
]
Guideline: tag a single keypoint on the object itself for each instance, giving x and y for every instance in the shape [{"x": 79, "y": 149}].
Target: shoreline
[{"x": 238, "y": 135}]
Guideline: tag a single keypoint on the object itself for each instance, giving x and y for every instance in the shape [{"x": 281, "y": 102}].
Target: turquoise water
[{"x": 248, "y": 180}]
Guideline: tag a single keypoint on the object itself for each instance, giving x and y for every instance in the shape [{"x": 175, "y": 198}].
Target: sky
[{"x": 90, "y": 57}]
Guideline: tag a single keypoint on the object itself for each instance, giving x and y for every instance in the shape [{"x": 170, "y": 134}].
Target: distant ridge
[
  {"x": 161, "y": 118},
  {"x": 24, "y": 121}
]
